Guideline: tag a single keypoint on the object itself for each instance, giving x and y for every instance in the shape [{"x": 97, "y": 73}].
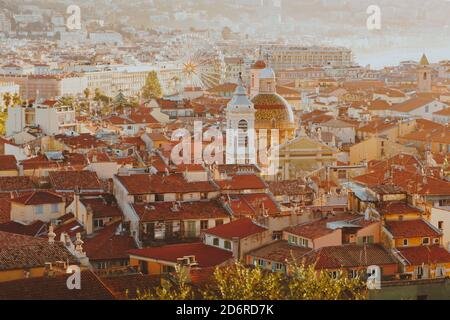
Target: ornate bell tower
[
  {"x": 240, "y": 114},
  {"x": 424, "y": 75}
]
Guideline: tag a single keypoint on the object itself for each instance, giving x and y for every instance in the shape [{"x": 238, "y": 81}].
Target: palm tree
[
  {"x": 87, "y": 93},
  {"x": 16, "y": 99}
]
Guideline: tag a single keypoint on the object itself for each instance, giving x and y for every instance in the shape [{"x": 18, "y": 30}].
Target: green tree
[
  {"x": 239, "y": 282},
  {"x": 175, "y": 287},
  {"x": 152, "y": 87},
  {"x": 307, "y": 283}
]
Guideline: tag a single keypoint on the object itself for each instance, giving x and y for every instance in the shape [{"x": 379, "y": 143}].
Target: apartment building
[
  {"x": 46, "y": 86},
  {"x": 294, "y": 57}
]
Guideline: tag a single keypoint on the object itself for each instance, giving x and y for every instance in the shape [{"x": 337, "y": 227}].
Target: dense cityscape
[{"x": 224, "y": 150}]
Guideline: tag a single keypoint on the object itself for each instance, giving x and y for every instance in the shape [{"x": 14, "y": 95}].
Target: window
[
  {"x": 203, "y": 224},
  {"x": 440, "y": 271},
  {"x": 39, "y": 209},
  {"x": 55, "y": 207},
  {"x": 441, "y": 225},
  {"x": 292, "y": 240},
  {"x": 426, "y": 240},
  {"x": 353, "y": 274},
  {"x": 102, "y": 265},
  {"x": 98, "y": 223},
  {"x": 367, "y": 239},
  {"x": 427, "y": 109},
  {"x": 227, "y": 245},
  {"x": 278, "y": 266},
  {"x": 277, "y": 235},
  {"x": 219, "y": 222},
  {"x": 168, "y": 269},
  {"x": 333, "y": 274},
  {"x": 419, "y": 272},
  {"x": 260, "y": 262},
  {"x": 405, "y": 242},
  {"x": 216, "y": 242},
  {"x": 305, "y": 243},
  {"x": 436, "y": 240}
]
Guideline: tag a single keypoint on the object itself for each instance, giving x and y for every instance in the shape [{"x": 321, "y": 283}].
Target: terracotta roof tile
[
  {"x": 425, "y": 255},
  {"x": 242, "y": 182},
  {"x": 410, "y": 229},
  {"x": 8, "y": 162},
  {"x": 163, "y": 211},
  {"x": 240, "y": 228},
  {"x": 38, "y": 197},
  {"x": 16, "y": 184},
  {"x": 20, "y": 251},
  {"x": 147, "y": 183},
  {"x": 107, "y": 245},
  {"x": 350, "y": 256},
  {"x": 74, "y": 180},
  {"x": 55, "y": 288},
  {"x": 205, "y": 256}
]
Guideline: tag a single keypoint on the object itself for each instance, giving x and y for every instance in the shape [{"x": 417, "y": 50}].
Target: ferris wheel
[{"x": 200, "y": 61}]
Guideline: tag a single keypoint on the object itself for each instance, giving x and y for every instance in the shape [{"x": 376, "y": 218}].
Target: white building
[
  {"x": 440, "y": 218},
  {"x": 55, "y": 119},
  {"x": 418, "y": 107},
  {"x": 340, "y": 129},
  {"x": 50, "y": 118}
]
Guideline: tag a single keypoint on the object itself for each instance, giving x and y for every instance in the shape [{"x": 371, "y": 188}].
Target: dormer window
[{"x": 425, "y": 241}]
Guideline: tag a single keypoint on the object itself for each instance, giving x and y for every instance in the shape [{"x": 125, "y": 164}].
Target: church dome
[
  {"x": 267, "y": 73},
  {"x": 273, "y": 107}
]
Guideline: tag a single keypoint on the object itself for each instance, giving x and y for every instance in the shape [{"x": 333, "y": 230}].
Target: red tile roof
[
  {"x": 5, "y": 207},
  {"x": 425, "y": 255},
  {"x": 252, "y": 204},
  {"x": 396, "y": 207},
  {"x": 411, "y": 229},
  {"x": 38, "y": 197},
  {"x": 16, "y": 184},
  {"x": 411, "y": 104},
  {"x": 279, "y": 251},
  {"x": 128, "y": 286},
  {"x": 31, "y": 230},
  {"x": 55, "y": 288},
  {"x": 242, "y": 182},
  {"x": 318, "y": 228},
  {"x": 241, "y": 228},
  {"x": 8, "y": 162},
  {"x": 205, "y": 256},
  {"x": 74, "y": 180},
  {"x": 107, "y": 245},
  {"x": 81, "y": 141},
  {"x": 173, "y": 183},
  {"x": 350, "y": 256},
  {"x": 163, "y": 211},
  {"x": 20, "y": 252},
  {"x": 101, "y": 208}
]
